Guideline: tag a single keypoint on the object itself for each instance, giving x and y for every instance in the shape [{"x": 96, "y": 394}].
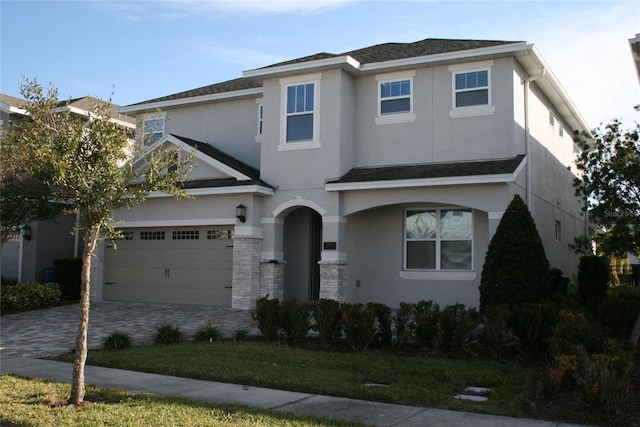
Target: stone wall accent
[
  {"x": 246, "y": 272},
  {"x": 272, "y": 279},
  {"x": 333, "y": 280}
]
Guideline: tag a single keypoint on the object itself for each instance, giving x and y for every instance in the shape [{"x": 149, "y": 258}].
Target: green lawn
[
  {"x": 36, "y": 403},
  {"x": 408, "y": 380}
]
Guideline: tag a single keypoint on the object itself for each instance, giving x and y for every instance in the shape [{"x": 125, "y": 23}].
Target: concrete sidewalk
[{"x": 337, "y": 408}]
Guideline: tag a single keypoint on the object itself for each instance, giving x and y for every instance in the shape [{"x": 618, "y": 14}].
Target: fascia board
[
  {"x": 345, "y": 61},
  {"x": 456, "y": 56},
  {"x": 202, "y": 157},
  {"x": 85, "y": 113},
  {"x": 218, "y": 191},
  {"x": 424, "y": 182},
  {"x": 10, "y": 109},
  {"x": 192, "y": 100}
]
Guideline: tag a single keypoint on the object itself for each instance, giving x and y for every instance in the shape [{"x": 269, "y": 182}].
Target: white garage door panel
[{"x": 180, "y": 270}]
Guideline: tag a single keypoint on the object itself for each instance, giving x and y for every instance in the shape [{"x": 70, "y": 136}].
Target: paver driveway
[{"x": 52, "y": 331}]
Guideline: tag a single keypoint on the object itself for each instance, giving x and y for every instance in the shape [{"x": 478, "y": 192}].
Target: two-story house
[{"x": 378, "y": 174}]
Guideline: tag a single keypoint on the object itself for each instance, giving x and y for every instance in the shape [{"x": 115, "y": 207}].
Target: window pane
[
  {"x": 395, "y": 106},
  {"x": 153, "y": 125},
  {"x": 421, "y": 255},
  {"x": 399, "y": 88},
  {"x": 291, "y": 99},
  {"x": 473, "y": 97},
  {"x": 309, "y": 93},
  {"x": 456, "y": 255},
  {"x": 421, "y": 225},
  {"x": 300, "y": 127},
  {"x": 456, "y": 224}
]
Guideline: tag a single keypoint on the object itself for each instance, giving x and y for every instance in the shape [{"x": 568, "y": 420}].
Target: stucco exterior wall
[
  {"x": 375, "y": 247},
  {"x": 230, "y": 126}
]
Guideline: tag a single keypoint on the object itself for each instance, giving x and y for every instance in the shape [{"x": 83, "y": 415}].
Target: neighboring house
[
  {"x": 28, "y": 256},
  {"x": 379, "y": 174}
]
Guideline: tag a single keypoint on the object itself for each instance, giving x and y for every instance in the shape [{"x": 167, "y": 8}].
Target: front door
[{"x": 302, "y": 247}]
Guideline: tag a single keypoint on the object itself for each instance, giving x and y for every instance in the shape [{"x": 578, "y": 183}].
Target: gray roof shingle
[
  {"x": 430, "y": 170},
  {"x": 228, "y": 160},
  {"x": 378, "y": 53}
]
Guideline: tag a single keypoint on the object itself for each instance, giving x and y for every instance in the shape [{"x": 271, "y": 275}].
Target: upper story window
[
  {"x": 438, "y": 239},
  {"x": 395, "y": 97},
  {"x": 153, "y": 129},
  {"x": 471, "y": 89},
  {"x": 259, "y": 129},
  {"x": 260, "y": 118},
  {"x": 552, "y": 120},
  {"x": 300, "y": 118},
  {"x": 300, "y": 111},
  {"x": 561, "y": 133}
]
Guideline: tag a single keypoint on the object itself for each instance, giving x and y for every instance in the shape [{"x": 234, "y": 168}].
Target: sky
[{"x": 133, "y": 51}]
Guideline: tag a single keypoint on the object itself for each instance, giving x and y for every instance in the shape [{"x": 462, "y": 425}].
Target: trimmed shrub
[
  {"x": 359, "y": 325},
  {"x": 455, "y": 324},
  {"x": 29, "y": 296},
  {"x": 618, "y": 313},
  {"x": 574, "y": 328},
  {"x": 593, "y": 278},
  {"x": 269, "y": 317},
  {"x": 382, "y": 316},
  {"x": 207, "y": 333},
  {"x": 426, "y": 322},
  {"x": 68, "y": 273},
  {"x": 296, "y": 319},
  {"x": 327, "y": 315},
  {"x": 497, "y": 333},
  {"x": 117, "y": 340},
  {"x": 240, "y": 334},
  {"x": 516, "y": 269},
  {"x": 405, "y": 324},
  {"x": 167, "y": 333},
  {"x": 532, "y": 325}
]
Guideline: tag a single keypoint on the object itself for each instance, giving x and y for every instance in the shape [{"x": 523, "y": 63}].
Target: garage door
[{"x": 171, "y": 265}]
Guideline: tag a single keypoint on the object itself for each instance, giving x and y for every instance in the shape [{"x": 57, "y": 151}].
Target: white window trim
[
  {"x": 260, "y": 104},
  {"x": 473, "y": 110},
  {"x": 149, "y": 135},
  {"x": 437, "y": 273},
  {"x": 406, "y": 117},
  {"x": 294, "y": 81}
]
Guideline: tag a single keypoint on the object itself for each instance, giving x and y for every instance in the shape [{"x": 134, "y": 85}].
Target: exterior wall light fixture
[{"x": 241, "y": 212}]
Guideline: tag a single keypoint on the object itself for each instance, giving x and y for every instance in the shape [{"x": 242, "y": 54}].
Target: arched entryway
[{"x": 302, "y": 247}]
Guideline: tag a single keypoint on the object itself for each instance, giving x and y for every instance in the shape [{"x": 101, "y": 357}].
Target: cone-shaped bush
[{"x": 516, "y": 269}]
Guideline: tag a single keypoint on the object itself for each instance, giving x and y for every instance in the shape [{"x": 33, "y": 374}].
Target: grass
[
  {"x": 408, "y": 380},
  {"x": 37, "y": 403}
]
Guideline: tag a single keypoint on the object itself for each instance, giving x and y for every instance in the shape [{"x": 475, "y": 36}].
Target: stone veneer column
[
  {"x": 333, "y": 280},
  {"x": 246, "y": 272},
  {"x": 272, "y": 279}
]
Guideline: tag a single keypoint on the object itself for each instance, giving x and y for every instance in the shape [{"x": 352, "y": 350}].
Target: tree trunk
[{"x": 77, "y": 385}]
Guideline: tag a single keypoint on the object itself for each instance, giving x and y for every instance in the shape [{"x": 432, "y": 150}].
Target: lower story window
[{"x": 438, "y": 239}]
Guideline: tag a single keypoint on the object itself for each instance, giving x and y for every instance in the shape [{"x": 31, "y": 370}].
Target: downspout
[{"x": 527, "y": 134}]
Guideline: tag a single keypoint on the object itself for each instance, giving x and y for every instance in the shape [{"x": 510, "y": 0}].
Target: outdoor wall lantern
[
  {"x": 241, "y": 212},
  {"x": 26, "y": 232}
]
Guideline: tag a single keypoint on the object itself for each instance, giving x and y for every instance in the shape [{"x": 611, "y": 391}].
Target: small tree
[
  {"x": 609, "y": 182},
  {"x": 516, "y": 269},
  {"x": 89, "y": 165},
  {"x": 24, "y": 198}
]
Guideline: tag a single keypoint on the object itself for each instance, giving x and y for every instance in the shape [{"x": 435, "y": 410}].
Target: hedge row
[
  {"x": 29, "y": 295},
  {"x": 366, "y": 325}
]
